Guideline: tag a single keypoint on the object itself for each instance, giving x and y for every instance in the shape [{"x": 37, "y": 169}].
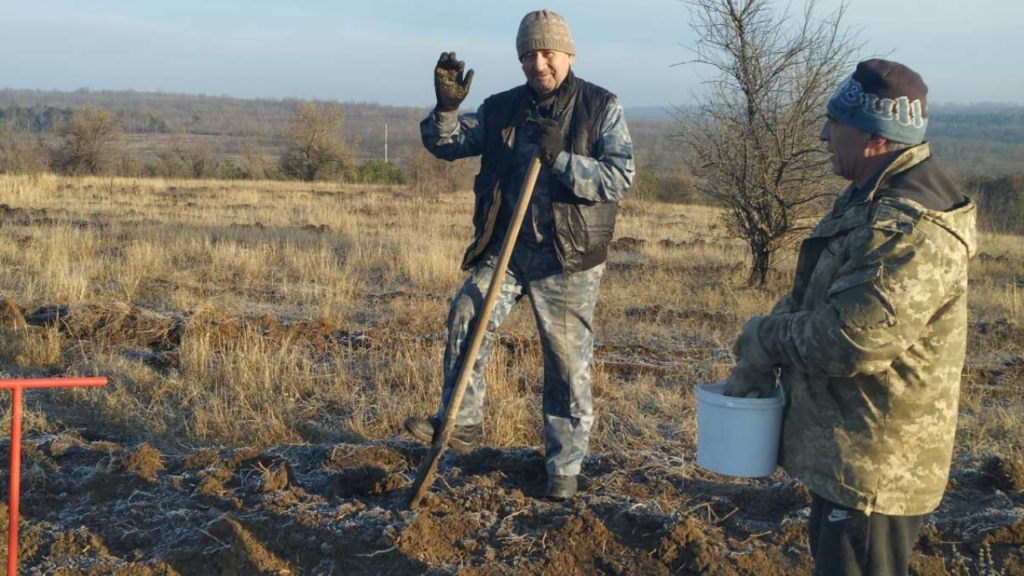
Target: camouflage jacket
[
  {"x": 573, "y": 206},
  {"x": 871, "y": 342}
]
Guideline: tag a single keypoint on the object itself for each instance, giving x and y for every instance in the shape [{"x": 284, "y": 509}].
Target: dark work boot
[
  {"x": 463, "y": 439},
  {"x": 561, "y": 487}
]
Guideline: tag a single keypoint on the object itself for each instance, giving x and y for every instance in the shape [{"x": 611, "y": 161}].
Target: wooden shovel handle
[{"x": 426, "y": 474}]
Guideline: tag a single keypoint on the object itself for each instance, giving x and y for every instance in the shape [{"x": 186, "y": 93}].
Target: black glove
[
  {"x": 449, "y": 85},
  {"x": 548, "y": 136},
  {"x": 749, "y": 381}
]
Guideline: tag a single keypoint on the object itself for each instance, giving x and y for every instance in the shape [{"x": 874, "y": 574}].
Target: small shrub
[
  {"x": 377, "y": 172},
  {"x": 1000, "y": 202}
]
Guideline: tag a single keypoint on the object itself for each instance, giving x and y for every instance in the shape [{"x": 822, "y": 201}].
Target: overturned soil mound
[{"x": 98, "y": 507}]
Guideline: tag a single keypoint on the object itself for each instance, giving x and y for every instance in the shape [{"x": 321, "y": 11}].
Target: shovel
[{"x": 426, "y": 474}]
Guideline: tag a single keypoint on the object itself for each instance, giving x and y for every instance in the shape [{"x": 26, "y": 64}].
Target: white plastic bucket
[{"x": 738, "y": 436}]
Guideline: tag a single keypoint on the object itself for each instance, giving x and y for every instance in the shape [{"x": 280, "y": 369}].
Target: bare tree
[
  {"x": 182, "y": 161},
  {"x": 432, "y": 176},
  {"x": 754, "y": 132},
  {"x": 200, "y": 160},
  {"x": 89, "y": 142},
  {"x": 255, "y": 165},
  {"x": 314, "y": 150},
  {"x": 21, "y": 152}
]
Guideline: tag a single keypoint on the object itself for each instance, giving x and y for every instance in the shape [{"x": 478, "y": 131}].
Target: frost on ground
[
  {"x": 94, "y": 506},
  {"x": 307, "y": 320}
]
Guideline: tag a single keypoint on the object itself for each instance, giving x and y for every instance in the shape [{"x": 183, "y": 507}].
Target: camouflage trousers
[{"x": 563, "y": 306}]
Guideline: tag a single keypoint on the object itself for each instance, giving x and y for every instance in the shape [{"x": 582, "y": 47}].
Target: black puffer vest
[{"x": 583, "y": 229}]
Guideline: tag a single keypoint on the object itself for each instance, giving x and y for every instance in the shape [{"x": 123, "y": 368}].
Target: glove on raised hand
[
  {"x": 548, "y": 137},
  {"x": 749, "y": 381},
  {"x": 450, "y": 86}
]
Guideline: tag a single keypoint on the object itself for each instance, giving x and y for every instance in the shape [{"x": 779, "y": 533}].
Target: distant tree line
[
  {"x": 93, "y": 141},
  {"x": 41, "y": 119},
  {"x": 233, "y": 117},
  {"x": 179, "y": 136},
  {"x": 36, "y": 119},
  {"x": 994, "y": 123}
]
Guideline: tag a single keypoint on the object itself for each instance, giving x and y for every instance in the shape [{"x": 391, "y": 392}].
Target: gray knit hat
[{"x": 544, "y": 30}]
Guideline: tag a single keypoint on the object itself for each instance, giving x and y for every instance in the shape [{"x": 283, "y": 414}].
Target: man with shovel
[
  {"x": 578, "y": 131},
  {"x": 870, "y": 341}
]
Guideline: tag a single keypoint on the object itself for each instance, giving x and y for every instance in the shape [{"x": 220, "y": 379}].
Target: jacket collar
[{"x": 902, "y": 162}]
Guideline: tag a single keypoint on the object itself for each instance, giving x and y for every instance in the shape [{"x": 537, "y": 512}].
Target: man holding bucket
[
  {"x": 558, "y": 260},
  {"x": 871, "y": 339}
]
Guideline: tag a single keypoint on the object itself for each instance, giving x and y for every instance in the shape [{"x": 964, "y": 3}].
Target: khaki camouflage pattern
[
  {"x": 872, "y": 341},
  {"x": 563, "y": 305}
]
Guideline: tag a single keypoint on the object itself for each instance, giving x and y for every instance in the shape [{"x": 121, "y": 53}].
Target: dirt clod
[
  {"x": 145, "y": 461},
  {"x": 364, "y": 481},
  {"x": 274, "y": 479},
  {"x": 99, "y": 508}
]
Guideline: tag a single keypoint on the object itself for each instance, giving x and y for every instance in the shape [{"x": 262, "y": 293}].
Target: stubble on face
[
  {"x": 845, "y": 145},
  {"x": 545, "y": 70}
]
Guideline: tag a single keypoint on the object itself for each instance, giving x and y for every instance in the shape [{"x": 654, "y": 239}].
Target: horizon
[
  {"x": 384, "y": 53},
  {"x": 645, "y": 108}
]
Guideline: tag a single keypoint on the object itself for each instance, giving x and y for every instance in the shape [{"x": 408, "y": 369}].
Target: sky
[{"x": 384, "y": 51}]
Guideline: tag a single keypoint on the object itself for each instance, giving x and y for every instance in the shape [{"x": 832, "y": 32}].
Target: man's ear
[{"x": 876, "y": 146}]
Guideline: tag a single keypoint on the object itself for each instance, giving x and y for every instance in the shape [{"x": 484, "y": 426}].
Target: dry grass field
[{"x": 268, "y": 317}]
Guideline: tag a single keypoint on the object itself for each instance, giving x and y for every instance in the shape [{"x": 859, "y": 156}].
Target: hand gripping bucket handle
[{"x": 738, "y": 436}]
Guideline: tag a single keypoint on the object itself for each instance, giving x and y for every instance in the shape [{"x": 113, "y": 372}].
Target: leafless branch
[{"x": 754, "y": 133}]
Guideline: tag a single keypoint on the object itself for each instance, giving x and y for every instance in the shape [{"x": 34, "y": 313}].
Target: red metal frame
[{"x": 16, "y": 387}]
